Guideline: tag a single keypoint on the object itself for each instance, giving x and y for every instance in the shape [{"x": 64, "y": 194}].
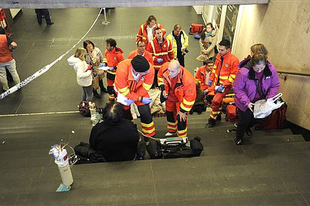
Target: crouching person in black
[{"x": 114, "y": 137}]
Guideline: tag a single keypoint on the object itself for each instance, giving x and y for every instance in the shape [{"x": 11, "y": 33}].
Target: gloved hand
[
  {"x": 103, "y": 64},
  {"x": 220, "y": 88},
  {"x": 209, "y": 83},
  {"x": 129, "y": 101},
  {"x": 160, "y": 60},
  {"x": 146, "y": 100},
  {"x": 111, "y": 68},
  {"x": 89, "y": 68}
]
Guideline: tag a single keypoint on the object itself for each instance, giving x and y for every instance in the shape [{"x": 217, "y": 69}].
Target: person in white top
[{"x": 83, "y": 71}]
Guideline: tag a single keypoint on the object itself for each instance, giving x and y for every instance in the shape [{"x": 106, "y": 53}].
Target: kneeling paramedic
[
  {"x": 179, "y": 91},
  {"x": 133, "y": 80}
]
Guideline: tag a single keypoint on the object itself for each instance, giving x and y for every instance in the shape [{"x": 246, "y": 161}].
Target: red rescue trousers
[
  {"x": 216, "y": 104},
  {"x": 174, "y": 125}
]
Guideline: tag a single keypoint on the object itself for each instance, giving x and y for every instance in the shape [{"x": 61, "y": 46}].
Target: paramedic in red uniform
[
  {"x": 222, "y": 78},
  {"x": 141, "y": 51},
  {"x": 146, "y": 30},
  {"x": 133, "y": 80},
  {"x": 178, "y": 88},
  {"x": 161, "y": 50},
  {"x": 113, "y": 55}
]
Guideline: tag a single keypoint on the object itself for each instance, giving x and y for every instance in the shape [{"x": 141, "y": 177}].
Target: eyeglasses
[{"x": 142, "y": 46}]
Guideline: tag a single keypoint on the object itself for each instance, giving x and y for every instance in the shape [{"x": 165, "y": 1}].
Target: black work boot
[
  {"x": 239, "y": 141},
  {"x": 219, "y": 117},
  {"x": 211, "y": 123},
  {"x": 96, "y": 94}
]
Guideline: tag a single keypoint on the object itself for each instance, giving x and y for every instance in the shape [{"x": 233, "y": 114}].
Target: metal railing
[{"x": 291, "y": 73}]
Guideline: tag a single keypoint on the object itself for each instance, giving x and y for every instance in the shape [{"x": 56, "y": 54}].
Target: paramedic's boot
[
  {"x": 211, "y": 123},
  {"x": 239, "y": 141}
]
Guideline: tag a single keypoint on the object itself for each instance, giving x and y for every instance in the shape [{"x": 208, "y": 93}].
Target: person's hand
[
  {"x": 103, "y": 64},
  {"x": 165, "y": 94},
  {"x": 205, "y": 92},
  {"x": 209, "y": 83},
  {"x": 129, "y": 101},
  {"x": 160, "y": 60},
  {"x": 182, "y": 115},
  {"x": 111, "y": 68},
  {"x": 146, "y": 100},
  {"x": 220, "y": 89},
  {"x": 251, "y": 106},
  {"x": 89, "y": 68}
]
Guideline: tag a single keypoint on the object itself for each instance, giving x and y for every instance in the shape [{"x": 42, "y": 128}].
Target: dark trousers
[
  {"x": 181, "y": 59},
  {"x": 45, "y": 13},
  {"x": 155, "y": 82},
  {"x": 246, "y": 120}
]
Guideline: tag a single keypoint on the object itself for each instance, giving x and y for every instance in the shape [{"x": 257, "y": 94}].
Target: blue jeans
[{"x": 87, "y": 93}]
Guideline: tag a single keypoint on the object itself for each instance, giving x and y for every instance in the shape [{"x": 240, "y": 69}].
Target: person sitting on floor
[{"x": 115, "y": 137}]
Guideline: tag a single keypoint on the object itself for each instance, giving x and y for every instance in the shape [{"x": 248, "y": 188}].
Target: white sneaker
[{"x": 169, "y": 134}]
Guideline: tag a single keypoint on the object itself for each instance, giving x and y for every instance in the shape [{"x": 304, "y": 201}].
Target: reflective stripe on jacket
[
  {"x": 126, "y": 84},
  {"x": 142, "y": 33},
  {"x": 224, "y": 73},
  {"x": 201, "y": 77},
  {"x": 184, "y": 42},
  {"x": 163, "y": 50},
  {"x": 113, "y": 58},
  {"x": 185, "y": 89}
]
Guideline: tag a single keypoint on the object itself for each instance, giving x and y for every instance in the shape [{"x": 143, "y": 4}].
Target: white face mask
[{"x": 135, "y": 76}]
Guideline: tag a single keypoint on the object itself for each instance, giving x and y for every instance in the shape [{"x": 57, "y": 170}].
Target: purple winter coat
[{"x": 245, "y": 87}]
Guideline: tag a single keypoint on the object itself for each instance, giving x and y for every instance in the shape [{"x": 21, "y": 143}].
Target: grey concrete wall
[{"x": 284, "y": 27}]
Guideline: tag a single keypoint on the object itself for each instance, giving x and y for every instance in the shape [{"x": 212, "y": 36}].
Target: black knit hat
[{"x": 140, "y": 64}]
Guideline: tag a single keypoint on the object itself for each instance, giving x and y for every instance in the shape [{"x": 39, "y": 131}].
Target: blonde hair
[{"x": 80, "y": 53}]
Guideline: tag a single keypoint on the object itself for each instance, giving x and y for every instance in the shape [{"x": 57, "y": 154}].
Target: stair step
[
  {"x": 265, "y": 150},
  {"x": 273, "y": 139}
]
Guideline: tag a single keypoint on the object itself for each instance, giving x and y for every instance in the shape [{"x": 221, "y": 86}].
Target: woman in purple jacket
[{"x": 257, "y": 80}]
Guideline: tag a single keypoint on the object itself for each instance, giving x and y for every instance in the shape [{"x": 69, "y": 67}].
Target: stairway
[{"x": 272, "y": 168}]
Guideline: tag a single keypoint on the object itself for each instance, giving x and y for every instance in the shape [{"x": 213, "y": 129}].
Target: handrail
[{"x": 294, "y": 73}]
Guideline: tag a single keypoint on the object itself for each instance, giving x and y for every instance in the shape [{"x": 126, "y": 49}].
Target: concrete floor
[{"x": 272, "y": 168}]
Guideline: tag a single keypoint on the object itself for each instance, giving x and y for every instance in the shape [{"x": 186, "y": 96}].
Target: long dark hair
[
  {"x": 203, "y": 33},
  {"x": 85, "y": 43}
]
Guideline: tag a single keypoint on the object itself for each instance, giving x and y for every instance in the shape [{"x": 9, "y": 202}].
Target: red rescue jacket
[
  {"x": 126, "y": 84},
  {"x": 113, "y": 58},
  {"x": 163, "y": 51},
  {"x": 185, "y": 88},
  {"x": 142, "y": 33}
]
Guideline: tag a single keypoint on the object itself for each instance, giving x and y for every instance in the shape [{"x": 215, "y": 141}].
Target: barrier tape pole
[{"x": 47, "y": 67}]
